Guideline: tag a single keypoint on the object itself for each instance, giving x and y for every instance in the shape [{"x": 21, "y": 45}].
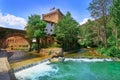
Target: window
[
  {"x": 51, "y": 24},
  {"x": 51, "y": 30}
]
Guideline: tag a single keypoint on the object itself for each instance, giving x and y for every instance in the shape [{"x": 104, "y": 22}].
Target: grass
[
  {"x": 89, "y": 53},
  {"x": 31, "y": 58}
]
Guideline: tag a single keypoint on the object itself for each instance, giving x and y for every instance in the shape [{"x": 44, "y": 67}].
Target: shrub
[
  {"x": 111, "y": 51},
  {"x": 111, "y": 41},
  {"x": 101, "y": 49}
]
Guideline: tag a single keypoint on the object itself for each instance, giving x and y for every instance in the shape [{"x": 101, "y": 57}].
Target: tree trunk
[
  {"x": 116, "y": 36},
  {"x": 105, "y": 38},
  {"x": 104, "y": 31},
  {"x": 38, "y": 44},
  {"x": 98, "y": 34}
]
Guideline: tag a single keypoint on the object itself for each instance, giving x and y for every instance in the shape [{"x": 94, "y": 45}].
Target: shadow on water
[{"x": 81, "y": 51}]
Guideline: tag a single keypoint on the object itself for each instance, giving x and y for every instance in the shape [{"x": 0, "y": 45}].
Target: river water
[{"x": 73, "y": 69}]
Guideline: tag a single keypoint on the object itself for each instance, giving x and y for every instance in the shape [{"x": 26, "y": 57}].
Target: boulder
[
  {"x": 56, "y": 55},
  {"x": 59, "y": 59}
]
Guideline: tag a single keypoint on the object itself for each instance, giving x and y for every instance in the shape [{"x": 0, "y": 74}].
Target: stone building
[
  {"x": 14, "y": 39},
  {"x": 51, "y": 19}
]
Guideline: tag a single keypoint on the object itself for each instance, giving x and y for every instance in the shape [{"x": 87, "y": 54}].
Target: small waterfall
[{"x": 29, "y": 65}]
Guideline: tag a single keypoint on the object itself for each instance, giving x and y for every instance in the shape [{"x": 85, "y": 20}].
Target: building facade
[{"x": 51, "y": 20}]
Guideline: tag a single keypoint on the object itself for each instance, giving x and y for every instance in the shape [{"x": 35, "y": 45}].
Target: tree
[
  {"x": 115, "y": 13},
  {"x": 88, "y": 34},
  {"x": 35, "y": 29},
  {"x": 67, "y": 31},
  {"x": 99, "y": 9}
]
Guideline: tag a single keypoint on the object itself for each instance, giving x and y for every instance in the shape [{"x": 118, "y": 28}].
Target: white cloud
[
  {"x": 12, "y": 21},
  {"x": 85, "y": 20}
]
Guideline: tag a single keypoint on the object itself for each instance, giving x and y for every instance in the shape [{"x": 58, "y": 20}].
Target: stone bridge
[{"x": 17, "y": 38}]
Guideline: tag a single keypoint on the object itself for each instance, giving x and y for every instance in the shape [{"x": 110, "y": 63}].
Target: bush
[
  {"x": 34, "y": 47},
  {"x": 111, "y": 51},
  {"x": 101, "y": 49},
  {"x": 55, "y": 44},
  {"x": 111, "y": 41}
]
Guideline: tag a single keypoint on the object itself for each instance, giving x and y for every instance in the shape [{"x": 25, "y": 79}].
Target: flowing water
[{"x": 73, "y": 69}]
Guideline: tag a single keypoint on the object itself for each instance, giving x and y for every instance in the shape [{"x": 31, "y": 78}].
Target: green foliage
[
  {"x": 55, "y": 44},
  {"x": 99, "y": 8},
  {"x": 113, "y": 31},
  {"x": 111, "y": 41},
  {"x": 111, "y": 51},
  {"x": 35, "y": 29},
  {"x": 115, "y": 12},
  {"x": 101, "y": 49},
  {"x": 67, "y": 31},
  {"x": 34, "y": 47},
  {"x": 87, "y": 34}
]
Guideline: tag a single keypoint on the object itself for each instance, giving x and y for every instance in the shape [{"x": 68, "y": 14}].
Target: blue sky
[{"x": 14, "y": 13}]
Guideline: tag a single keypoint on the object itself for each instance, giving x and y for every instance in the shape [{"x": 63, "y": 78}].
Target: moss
[{"x": 91, "y": 53}]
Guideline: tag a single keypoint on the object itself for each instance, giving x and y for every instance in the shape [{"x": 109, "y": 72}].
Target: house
[{"x": 51, "y": 19}]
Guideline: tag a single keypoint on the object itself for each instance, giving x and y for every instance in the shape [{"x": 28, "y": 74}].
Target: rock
[
  {"x": 59, "y": 59},
  {"x": 56, "y": 55}
]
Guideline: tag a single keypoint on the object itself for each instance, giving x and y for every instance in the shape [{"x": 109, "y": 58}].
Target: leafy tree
[
  {"x": 99, "y": 9},
  {"x": 115, "y": 13},
  {"x": 88, "y": 34},
  {"x": 67, "y": 31},
  {"x": 35, "y": 29}
]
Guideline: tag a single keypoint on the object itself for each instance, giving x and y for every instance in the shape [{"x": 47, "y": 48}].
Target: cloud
[
  {"x": 85, "y": 20},
  {"x": 12, "y": 21}
]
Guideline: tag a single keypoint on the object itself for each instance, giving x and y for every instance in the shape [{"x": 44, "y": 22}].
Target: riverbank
[
  {"x": 89, "y": 53},
  {"x": 83, "y": 53}
]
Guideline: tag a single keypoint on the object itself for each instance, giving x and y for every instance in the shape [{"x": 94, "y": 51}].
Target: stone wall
[
  {"x": 16, "y": 43},
  {"x": 53, "y": 16},
  {"x": 6, "y": 73}
]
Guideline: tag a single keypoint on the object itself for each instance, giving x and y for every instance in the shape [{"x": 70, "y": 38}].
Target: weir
[{"x": 28, "y": 66}]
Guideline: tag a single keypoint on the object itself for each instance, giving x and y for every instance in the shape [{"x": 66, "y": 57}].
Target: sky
[{"x": 14, "y": 13}]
